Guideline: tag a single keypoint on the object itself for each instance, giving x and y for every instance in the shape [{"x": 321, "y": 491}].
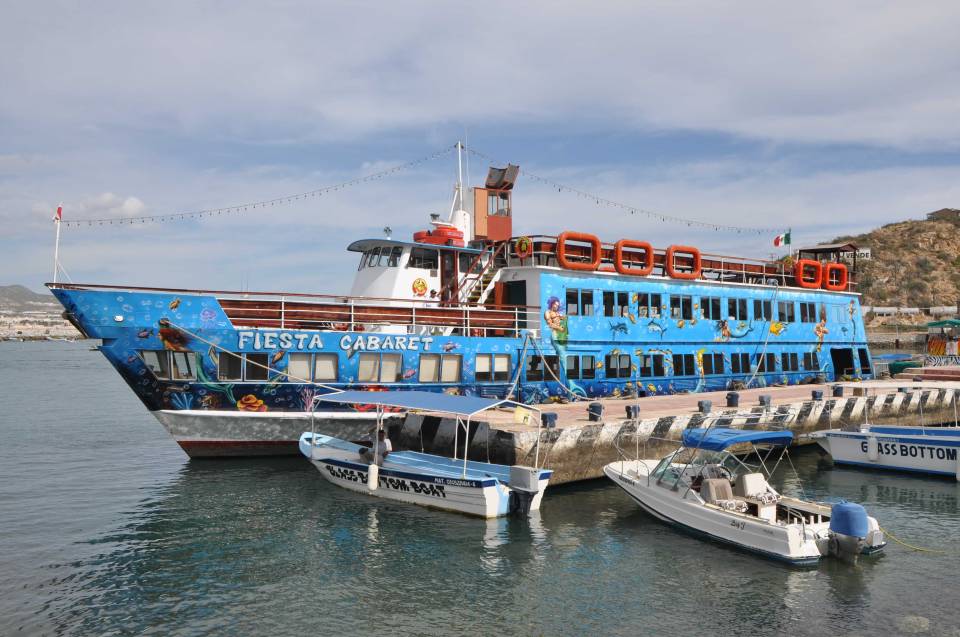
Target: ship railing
[
  {"x": 288, "y": 310},
  {"x": 715, "y": 267}
]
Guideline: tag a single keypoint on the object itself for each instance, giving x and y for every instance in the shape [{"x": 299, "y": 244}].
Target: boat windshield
[{"x": 689, "y": 464}]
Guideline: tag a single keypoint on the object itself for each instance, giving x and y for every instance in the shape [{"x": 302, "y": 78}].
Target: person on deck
[{"x": 383, "y": 448}]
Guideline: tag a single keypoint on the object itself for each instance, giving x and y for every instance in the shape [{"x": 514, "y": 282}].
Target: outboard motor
[
  {"x": 524, "y": 486},
  {"x": 849, "y": 527}
]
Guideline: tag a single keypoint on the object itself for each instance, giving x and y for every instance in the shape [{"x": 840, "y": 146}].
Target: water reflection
[{"x": 266, "y": 545}]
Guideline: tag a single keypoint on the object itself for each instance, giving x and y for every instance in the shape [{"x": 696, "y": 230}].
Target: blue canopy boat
[{"x": 476, "y": 488}]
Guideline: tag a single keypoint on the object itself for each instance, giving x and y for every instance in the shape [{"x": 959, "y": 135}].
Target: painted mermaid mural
[{"x": 556, "y": 320}]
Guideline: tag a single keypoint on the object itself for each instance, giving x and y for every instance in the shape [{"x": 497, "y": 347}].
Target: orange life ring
[
  {"x": 523, "y": 247},
  {"x": 671, "y": 266},
  {"x": 578, "y": 265},
  {"x": 842, "y": 277},
  {"x": 800, "y": 274},
  {"x": 640, "y": 245}
]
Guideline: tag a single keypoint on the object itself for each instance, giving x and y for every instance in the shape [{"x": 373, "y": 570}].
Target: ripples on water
[{"x": 107, "y": 528}]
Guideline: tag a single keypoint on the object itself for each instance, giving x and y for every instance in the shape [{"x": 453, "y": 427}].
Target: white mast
[{"x": 56, "y": 245}]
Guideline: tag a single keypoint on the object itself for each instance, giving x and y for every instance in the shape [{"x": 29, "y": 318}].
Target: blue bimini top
[
  {"x": 422, "y": 400},
  {"x": 719, "y": 438}
]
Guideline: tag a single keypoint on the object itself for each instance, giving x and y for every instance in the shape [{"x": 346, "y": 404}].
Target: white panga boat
[
  {"x": 930, "y": 450},
  {"x": 475, "y": 488},
  {"x": 704, "y": 488}
]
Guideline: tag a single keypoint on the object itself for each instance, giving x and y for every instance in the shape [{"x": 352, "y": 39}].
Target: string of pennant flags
[
  {"x": 254, "y": 205},
  {"x": 657, "y": 216}
]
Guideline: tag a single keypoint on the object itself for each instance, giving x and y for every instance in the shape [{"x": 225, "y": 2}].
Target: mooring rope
[{"x": 916, "y": 548}]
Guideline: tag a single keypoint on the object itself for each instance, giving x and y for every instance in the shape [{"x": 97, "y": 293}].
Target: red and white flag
[{"x": 59, "y": 212}]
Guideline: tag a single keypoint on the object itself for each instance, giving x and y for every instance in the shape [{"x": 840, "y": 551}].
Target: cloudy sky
[{"x": 828, "y": 118}]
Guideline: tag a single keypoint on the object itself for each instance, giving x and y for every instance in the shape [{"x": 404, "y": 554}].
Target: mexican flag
[{"x": 782, "y": 239}]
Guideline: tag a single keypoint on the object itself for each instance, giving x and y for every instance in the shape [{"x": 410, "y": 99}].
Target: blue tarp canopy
[
  {"x": 718, "y": 438},
  {"x": 424, "y": 400}
]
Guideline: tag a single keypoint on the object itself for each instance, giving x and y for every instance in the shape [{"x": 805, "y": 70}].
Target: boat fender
[
  {"x": 873, "y": 449},
  {"x": 373, "y": 477}
]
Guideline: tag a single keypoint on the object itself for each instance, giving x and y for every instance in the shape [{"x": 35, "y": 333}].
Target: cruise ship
[{"x": 466, "y": 307}]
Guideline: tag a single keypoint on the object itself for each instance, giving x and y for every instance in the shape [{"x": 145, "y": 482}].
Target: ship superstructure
[{"x": 468, "y": 308}]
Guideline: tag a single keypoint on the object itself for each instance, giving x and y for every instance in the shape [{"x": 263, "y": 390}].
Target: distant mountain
[
  {"x": 913, "y": 263},
  {"x": 16, "y": 299}
]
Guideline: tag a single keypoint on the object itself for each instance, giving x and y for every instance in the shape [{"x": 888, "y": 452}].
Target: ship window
[
  {"x": 740, "y": 363},
  {"x": 713, "y": 363},
  {"x": 256, "y": 368},
  {"x": 811, "y": 362},
  {"x": 618, "y": 366},
  {"x": 864, "y": 361},
  {"x": 580, "y": 302},
  {"x": 808, "y": 312},
  {"x": 681, "y": 307},
  {"x": 648, "y": 305},
  {"x": 766, "y": 363},
  {"x": 498, "y": 203},
  {"x": 588, "y": 366},
  {"x": 230, "y": 366},
  {"x": 466, "y": 260},
  {"x": 535, "y": 368},
  {"x": 183, "y": 366},
  {"x": 325, "y": 367},
  {"x": 368, "y": 368},
  {"x": 390, "y": 368},
  {"x": 737, "y": 309},
  {"x": 651, "y": 365},
  {"x": 786, "y": 311},
  {"x": 788, "y": 361},
  {"x": 683, "y": 365},
  {"x": 450, "y": 365},
  {"x": 492, "y": 367},
  {"x": 424, "y": 259},
  {"x": 437, "y": 368},
  {"x": 298, "y": 368},
  {"x": 573, "y": 367},
  {"x": 711, "y": 308},
  {"x": 440, "y": 368},
  {"x": 394, "y": 260},
  {"x": 616, "y": 304},
  {"x": 762, "y": 310},
  {"x": 372, "y": 257},
  {"x": 157, "y": 362},
  {"x": 363, "y": 261}
]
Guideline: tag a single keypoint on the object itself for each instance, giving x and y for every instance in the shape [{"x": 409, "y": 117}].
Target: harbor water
[{"x": 106, "y": 528}]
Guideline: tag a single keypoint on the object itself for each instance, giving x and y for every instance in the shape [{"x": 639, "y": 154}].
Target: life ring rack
[
  {"x": 808, "y": 280},
  {"x": 842, "y": 278},
  {"x": 582, "y": 237},
  {"x": 523, "y": 248}
]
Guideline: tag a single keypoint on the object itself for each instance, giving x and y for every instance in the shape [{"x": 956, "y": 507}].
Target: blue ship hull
[{"x": 594, "y": 336}]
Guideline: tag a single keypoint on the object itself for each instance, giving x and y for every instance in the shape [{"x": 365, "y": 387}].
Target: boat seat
[
  {"x": 750, "y": 485},
  {"x": 713, "y": 489}
]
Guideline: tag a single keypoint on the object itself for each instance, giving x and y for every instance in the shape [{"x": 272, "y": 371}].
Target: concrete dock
[{"x": 578, "y": 448}]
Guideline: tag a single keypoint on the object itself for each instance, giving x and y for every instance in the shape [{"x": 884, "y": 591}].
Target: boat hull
[
  {"x": 934, "y": 455},
  {"x": 226, "y": 434},
  {"x": 485, "y": 498},
  {"x": 783, "y": 543}
]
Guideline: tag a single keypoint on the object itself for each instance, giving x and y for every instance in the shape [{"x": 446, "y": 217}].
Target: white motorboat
[
  {"x": 476, "y": 488},
  {"x": 930, "y": 450},
  {"x": 705, "y": 489}
]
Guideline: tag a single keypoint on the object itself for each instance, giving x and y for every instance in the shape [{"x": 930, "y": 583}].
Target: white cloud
[{"x": 821, "y": 71}]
